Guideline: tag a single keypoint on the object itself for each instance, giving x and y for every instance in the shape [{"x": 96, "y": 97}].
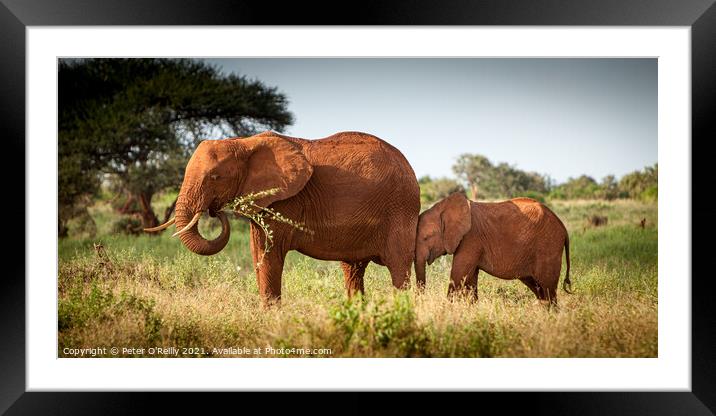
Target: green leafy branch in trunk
[{"x": 246, "y": 206}]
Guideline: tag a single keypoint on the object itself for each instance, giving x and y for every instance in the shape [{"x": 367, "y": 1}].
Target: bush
[
  {"x": 535, "y": 195},
  {"x": 638, "y": 183},
  {"x": 650, "y": 194},
  {"x": 128, "y": 226},
  {"x": 377, "y": 326},
  {"x": 81, "y": 224},
  {"x": 435, "y": 189},
  {"x": 583, "y": 187},
  {"x": 82, "y": 309},
  {"x": 76, "y": 218}
]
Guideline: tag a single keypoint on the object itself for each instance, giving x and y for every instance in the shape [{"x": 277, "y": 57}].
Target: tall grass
[{"x": 154, "y": 293}]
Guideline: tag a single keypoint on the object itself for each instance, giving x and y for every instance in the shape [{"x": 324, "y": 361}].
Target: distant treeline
[{"x": 481, "y": 179}]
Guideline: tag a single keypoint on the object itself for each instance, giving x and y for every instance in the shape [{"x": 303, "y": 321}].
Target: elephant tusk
[
  {"x": 188, "y": 226},
  {"x": 161, "y": 227}
]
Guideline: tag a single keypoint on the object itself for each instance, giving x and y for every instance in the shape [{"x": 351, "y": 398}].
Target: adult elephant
[{"x": 355, "y": 192}]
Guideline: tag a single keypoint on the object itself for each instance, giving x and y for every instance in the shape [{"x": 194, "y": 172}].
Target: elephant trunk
[
  {"x": 191, "y": 238},
  {"x": 425, "y": 255}
]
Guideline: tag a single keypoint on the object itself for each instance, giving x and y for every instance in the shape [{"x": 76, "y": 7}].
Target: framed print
[{"x": 557, "y": 101}]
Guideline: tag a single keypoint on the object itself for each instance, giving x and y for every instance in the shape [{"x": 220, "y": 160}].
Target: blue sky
[{"x": 561, "y": 117}]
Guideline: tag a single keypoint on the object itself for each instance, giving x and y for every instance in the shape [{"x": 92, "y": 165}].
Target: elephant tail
[{"x": 567, "y": 284}]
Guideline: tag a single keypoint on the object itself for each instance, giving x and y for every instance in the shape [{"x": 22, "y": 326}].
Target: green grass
[{"x": 155, "y": 293}]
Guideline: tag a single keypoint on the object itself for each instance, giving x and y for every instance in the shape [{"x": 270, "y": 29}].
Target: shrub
[
  {"x": 368, "y": 327},
  {"x": 535, "y": 195},
  {"x": 128, "y": 226},
  {"x": 435, "y": 189},
  {"x": 650, "y": 194}
]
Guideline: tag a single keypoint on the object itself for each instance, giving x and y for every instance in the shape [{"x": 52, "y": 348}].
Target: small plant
[
  {"x": 79, "y": 307},
  {"x": 367, "y": 327},
  {"x": 346, "y": 316},
  {"x": 246, "y": 206},
  {"x": 129, "y": 302}
]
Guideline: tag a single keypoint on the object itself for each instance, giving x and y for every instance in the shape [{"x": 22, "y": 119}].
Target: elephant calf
[{"x": 516, "y": 239}]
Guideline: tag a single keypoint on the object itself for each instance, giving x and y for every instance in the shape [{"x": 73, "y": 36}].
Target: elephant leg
[
  {"x": 470, "y": 287},
  {"x": 268, "y": 278},
  {"x": 268, "y": 268},
  {"x": 531, "y": 283},
  {"x": 463, "y": 276},
  {"x": 547, "y": 277},
  {"x": 551, "y": 295},
  {"x": 353, "y": 274},
  {"x": 400, "y": 251},
  {"x": 550, "y": 289},
  {"x": 399, "y": 269},
  {"x": 548, "y": 295}
]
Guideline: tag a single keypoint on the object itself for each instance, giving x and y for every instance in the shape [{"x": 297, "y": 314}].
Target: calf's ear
[{"x": 455, "y": 221}]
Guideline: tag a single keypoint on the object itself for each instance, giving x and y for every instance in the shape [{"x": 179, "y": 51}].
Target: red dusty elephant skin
[
  {"x": 516, "y": 239},
  {"x": 357, "y": 193}
]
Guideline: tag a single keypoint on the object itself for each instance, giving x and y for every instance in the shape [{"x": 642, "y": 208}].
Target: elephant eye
[{"x": 214, "y": 176}]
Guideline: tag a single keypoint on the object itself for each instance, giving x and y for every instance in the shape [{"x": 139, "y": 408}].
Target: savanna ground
[{"x": 148, "y": 292}]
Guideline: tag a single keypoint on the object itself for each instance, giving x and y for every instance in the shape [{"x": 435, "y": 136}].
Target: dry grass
[{"x": 157, "y": 294}]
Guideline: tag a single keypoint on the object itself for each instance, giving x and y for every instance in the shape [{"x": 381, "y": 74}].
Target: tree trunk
[
  {"x": 473, "y": 191},
  {"x": 149, "y": 219},
  {"x": 63, "y": 230},
  {"x": 127, "y": 207}
]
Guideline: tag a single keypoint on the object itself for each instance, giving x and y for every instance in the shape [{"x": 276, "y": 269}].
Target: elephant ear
[
  {"x": 455, "y": 221},
  {"x": 275, "y": 162}
]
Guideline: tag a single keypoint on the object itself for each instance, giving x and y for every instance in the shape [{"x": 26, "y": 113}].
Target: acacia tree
[
  {"x": 140, "y": 119},
  {"x": 475, "y": 171}
]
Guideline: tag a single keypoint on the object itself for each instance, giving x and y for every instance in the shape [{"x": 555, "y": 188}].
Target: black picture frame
[{"x": 15, "y": 15}]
